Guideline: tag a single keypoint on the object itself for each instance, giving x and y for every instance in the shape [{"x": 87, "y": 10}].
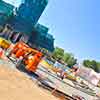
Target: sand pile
[{"x": 14, "y": 85}]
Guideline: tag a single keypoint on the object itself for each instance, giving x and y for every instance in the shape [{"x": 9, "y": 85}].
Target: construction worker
[{"x": 33, "y": 61}]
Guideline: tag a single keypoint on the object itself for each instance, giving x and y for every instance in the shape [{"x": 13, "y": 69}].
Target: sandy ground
[{"x": 14, "y": 85}]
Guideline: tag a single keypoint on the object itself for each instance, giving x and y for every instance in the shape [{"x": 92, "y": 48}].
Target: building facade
[
  {"x": 42, "y": 38},
  {"x": 27, "y": 15},
  {"x": 6, "y": 11},
  {"x": 23, "y": 24}
]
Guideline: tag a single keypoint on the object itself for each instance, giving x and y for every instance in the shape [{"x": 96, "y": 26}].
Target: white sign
[{"x": 89, "y": 75}]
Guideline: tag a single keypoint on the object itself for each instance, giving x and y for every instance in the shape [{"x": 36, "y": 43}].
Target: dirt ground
[{"x": 14, "y": 85}]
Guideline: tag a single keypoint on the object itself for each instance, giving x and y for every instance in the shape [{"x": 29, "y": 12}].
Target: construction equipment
[
  {"x": 23, "y": 54},
  {"x": 4, "y": 43}
]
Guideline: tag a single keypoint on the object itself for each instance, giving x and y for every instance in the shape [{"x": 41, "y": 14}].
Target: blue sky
[{"x": 75, "y": 25}]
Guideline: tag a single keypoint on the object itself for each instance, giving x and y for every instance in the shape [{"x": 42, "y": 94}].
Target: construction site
[{"x": 26, "y": 73}]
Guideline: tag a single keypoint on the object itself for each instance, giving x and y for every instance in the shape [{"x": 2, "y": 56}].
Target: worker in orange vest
[{"x": 33, "y": 61}]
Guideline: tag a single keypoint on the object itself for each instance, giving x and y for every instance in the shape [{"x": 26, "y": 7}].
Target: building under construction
[{"x": 21, "y": 22}]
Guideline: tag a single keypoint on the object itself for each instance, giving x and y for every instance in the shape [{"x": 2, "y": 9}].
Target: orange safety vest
[{"x": 33, "y": 62}]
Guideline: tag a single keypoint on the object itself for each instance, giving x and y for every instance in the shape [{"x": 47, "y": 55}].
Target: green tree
[
  {"x": 58, "y": 53},
  {"x": 98, "y": 64},
  {"x": 69, "y": 59},
  {"x": 87, "y": 63},
  {"x": 66, "y": 57},
  {"x": 72, "y": 61},
  {"x": 92, "y": 64}
]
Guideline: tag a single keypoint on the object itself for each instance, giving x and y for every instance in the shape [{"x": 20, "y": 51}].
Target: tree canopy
[
  {"x": 68, "y": 58},
  {"x": 92, "y": 64},
  {"x": 59, "y": 54}
]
